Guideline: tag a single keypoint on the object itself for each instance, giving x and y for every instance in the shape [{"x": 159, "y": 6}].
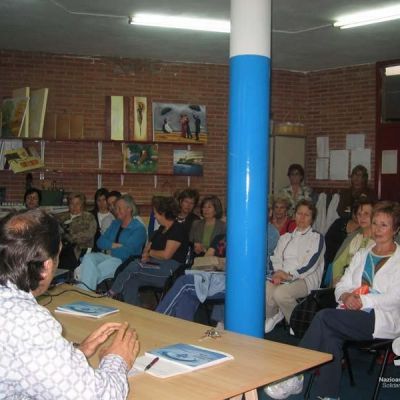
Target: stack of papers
[
  {"x": 84, "y": 309},
  {"x": 178, "y": 359}
]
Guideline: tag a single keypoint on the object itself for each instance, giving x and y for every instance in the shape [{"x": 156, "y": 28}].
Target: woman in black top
[{"x": 162, "y": 255}]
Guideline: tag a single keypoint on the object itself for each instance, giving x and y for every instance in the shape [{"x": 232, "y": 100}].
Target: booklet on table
[{"x": 85, "y": 309}]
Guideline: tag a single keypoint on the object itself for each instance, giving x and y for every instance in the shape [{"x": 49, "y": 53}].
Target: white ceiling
[{"x": 100, "y": 28}]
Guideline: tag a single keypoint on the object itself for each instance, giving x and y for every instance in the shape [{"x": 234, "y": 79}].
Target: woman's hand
[
  {"x": 199, "y": 248},
  {"x": 351, "y": 301},
  {"x": 90, "y": 345},
  {"x": 124, "y": 345},
  {"x": 116, "y": 245},
  {"x": 280, "y": 276}
]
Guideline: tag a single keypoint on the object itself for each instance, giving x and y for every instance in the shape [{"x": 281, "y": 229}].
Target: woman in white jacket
[
  {"x": 298, "y": 266},
  {"x": 369, "y": 305}
]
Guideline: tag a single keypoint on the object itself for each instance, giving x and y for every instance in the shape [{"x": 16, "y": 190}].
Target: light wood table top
[{"x": 257, "y": 362}]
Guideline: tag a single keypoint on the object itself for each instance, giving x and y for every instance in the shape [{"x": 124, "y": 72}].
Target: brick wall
[
  {"x": 341, "y": 101},
  {"x": 333, "y": 102}
]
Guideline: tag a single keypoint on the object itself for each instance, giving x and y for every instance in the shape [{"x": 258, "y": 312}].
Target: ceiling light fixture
[
  {"x": 368, "y": 17},
  {"x": 392, "y": 71},
  {"x": 168, "y": 21}
]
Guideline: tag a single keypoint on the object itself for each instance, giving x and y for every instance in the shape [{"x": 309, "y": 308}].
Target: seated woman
[
  {"x": 79, "y": 228},
  {"x": 337, "y": 233},
  {"x": 280, "y": 218},
  {"x": 205, "y": 230},
  {"x": 187, "y": 200},
  {"x": 298, "y": 263},
  {"x": 359, "y": 240},
  {"x": 296, "y": 190},
  {"x": 163, "y": 254},
  {"x": 32, "y": 198},
  {"x": 125, "y": 237},
  {"x": 189, "y": 290},
  {"x": 358, "y": 189},
  {"x": 359, "y": 317},
  {"x": 101, "y": 213}
]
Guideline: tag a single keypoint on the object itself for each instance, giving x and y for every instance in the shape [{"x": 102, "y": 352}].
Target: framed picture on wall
[
  {"x": 181, "y": 123},
  {"x": 187, "y": 162},
  {"x": 140, "y": 158}
]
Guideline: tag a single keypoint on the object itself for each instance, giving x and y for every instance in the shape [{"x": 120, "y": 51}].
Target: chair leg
[
  {"x": 309, "y": 386},
  {"x": 381, "y": 372},
  {"x": 348, "y": 365}
]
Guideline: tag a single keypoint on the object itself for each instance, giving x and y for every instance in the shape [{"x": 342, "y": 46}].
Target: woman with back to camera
[
  {"x": 205, "y": 230},
  {"x": 296, "y": 190},
  {"x": 162, "y": 255},
  {"x": 369, "y": 306},
  {"x": 36, "y": 361}
]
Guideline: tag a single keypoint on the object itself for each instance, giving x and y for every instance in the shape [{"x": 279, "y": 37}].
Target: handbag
[{"x": 307, "y": 307}]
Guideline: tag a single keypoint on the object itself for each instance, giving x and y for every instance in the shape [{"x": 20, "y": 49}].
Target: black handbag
[{"x": 307, "y": 307}]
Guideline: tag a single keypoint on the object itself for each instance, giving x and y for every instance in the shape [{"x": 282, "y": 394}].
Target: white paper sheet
[
  {"x": 322, "y": 146},
  {"x": 361, "y": 157},
  {"x": 355, "y": 141},
  {"x": 322, "y": 168},
  {"x": 339, "y": 165},
  {"x": 389, "y": 162}
]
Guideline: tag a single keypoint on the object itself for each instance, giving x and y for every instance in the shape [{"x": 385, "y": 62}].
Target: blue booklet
[
  {"x": 177, "y": 359},
  {"x": 85, "y": 309}
]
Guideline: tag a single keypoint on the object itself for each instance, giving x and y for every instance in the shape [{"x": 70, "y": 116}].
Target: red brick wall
[
  {"x": 333, "y": 102},
  {"x": 341, "y": 101}
]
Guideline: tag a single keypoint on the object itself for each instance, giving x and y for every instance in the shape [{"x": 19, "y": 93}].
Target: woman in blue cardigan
[{"x": 125, "y": 237}]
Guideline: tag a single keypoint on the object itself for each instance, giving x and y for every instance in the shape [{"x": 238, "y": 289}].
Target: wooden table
[{"x": 257, "y": 362}]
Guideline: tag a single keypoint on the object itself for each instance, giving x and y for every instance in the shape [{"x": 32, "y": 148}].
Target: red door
[{"x": 387, "y": 130}]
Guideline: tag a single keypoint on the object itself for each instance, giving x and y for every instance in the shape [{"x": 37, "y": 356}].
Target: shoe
[
  {"x": 328, "y": 398},
  {"x": 286, "y": 388},
  {"x": 291, "y": 332},
  {"x": 270, "y": 323},
  {"x": 220, "y": 326},
  {"x": 396, "y": 346}
]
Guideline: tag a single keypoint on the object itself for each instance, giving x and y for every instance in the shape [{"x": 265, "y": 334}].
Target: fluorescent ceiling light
[
  {"x": 368, "y": 17},
  {"x": 168, "y": 21},
  {"x": 391, "y": 71}
]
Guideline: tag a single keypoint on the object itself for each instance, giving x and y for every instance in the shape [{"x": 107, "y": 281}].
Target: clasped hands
[
  {"x": 280, "y": 276},
  {"x": 351, "y": 301},
  {"x": 125, "y": 343}
]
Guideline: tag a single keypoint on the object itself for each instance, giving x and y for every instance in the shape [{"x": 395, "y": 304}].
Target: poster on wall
[
  {"x": 13, "y": 115},
  {"x": 140, "y": 158},
  {"x": 140, "y": 119},
  {"x": 189, "y": 163},
  {"x": 181, "y": 123}
]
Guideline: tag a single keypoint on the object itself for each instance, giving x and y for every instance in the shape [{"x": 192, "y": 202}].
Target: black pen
[{"x": 148, "y": 366}]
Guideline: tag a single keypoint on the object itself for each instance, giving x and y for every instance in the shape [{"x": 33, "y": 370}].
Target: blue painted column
[{"x": 248, "y": 165}]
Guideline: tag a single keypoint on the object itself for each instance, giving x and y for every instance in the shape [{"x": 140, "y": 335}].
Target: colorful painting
[
  {"x": 183, "y": 123},
  {"x": 140, "y": 119},
  {"x": 188, "y": 162},
  {"x": 13, "y": 111},
  {"x": 140, "y": 158}
]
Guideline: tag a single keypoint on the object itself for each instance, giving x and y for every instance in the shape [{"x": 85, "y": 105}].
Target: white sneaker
[
  {"x": 286, "y": 388},
  {"x": 270, "y": 323},
  {"x": 396, "y": 346},
  {"x": 220, "y": 326},
  {"x": 328, "y": 398}
]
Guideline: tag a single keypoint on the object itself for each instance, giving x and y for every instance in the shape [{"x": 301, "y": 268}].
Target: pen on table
[{"x": 152, "y": 362}]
